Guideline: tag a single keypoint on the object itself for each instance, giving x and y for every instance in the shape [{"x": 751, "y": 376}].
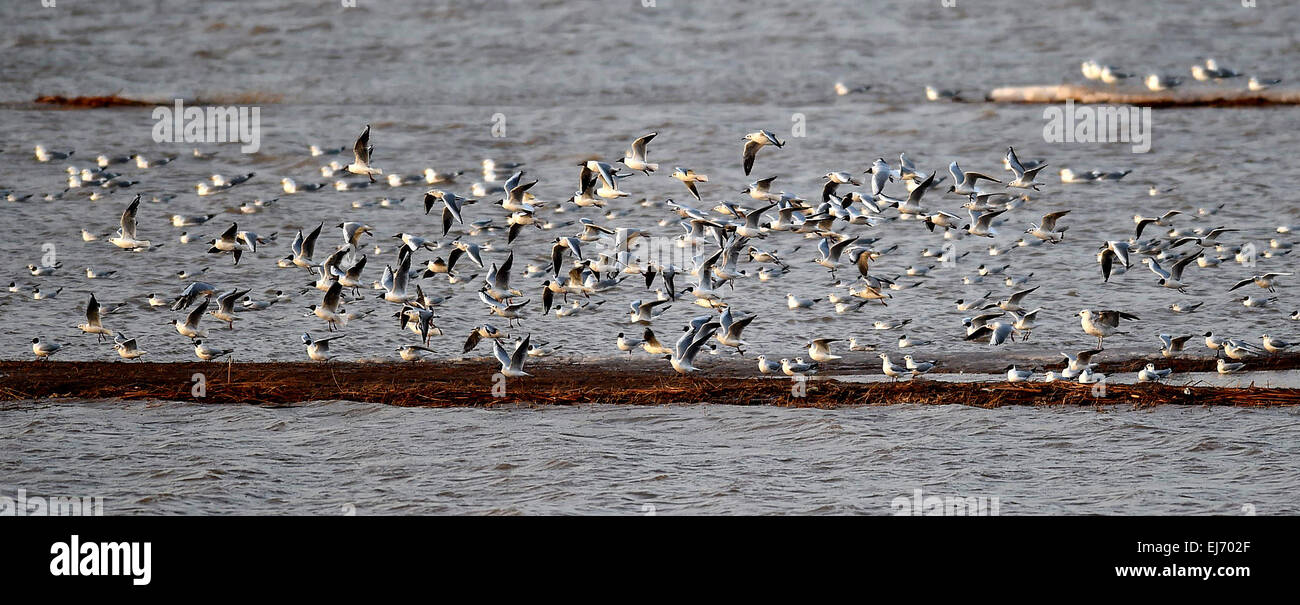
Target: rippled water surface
[
  {"x": 575, "y": 80},
  {"x": 332, "y": 457}
]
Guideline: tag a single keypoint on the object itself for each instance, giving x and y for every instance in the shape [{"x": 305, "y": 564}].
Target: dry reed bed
[{"x": 448, "y": 384}]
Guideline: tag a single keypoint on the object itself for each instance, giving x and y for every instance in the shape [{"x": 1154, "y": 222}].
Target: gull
[
  {"x": 1025, "y": 322},
  {"x": 996, "y": 333},
  {"x": 558, "y": 246},
  {"x": 1268, "y": 281},
  {"x": 1164, "y": 220},
  {"x": 328, "y": 310},
  {"x": 890, "y": 369},
  {"x": 690, "y": 178},
  {"x": 508, "y": 310},
  {"x": 1158, "y": 82},
  {"x": 38, "y": 295},
  {"x": 1169, "y": 345},
  {"x": 1172, "y": 278},
  {"x": 451, "y": 206},
  {"x": 981, "y": 223},
  {"x": 918, "y": 367},
  {"x": 1088, "y": 376},
  {"x": 636, "y": 159},
  {"x": 1275, "y": 345},
  {"x": 44, "y": 270},
  {"x": 1240, "y": 349},
  {"x": 418, "y": 320},
  {"x": 1252, "y": 302},
  {"x": 650, "y": 344},
  {"x": 768, "y": 367},
  {"x": 93, "y": 324},
  {"x": 1181, "y": 308},
  {"x": 830, "y": 253},
  {"x": 1017, "y": 375},
  {"x": 1211, "y": 238},
  {"x": 608, "y": 179},
  {"x": 1151, "y": 374},
  {"x": 192, "y": 293},
  {"x": 1111, "y": 75},
  {"x": 181, "y": 220},
  {"x": 755, "y": 141},
  {"x": 1256, "y": 84},
  {"x": 1110, "y": 252},
  {"x": 885, "y": 325},
  {"x": 45, "y": 155},
  {"x": 761, "y": 189},
  {"x": 480, "y": 332},
  {"x": 643, "y": 313},
  {"x": 797, "y": 367},
  {"x": 226, "y": 306},
  {"x": 1219, "y": 72},
  {"x": 305, "y": 247},
  {"x": 128, "y": 349},
  {"x": 794, "y": 302},
  {"x": 1013, "y": 302},
  {"x": 628, "y": 343},
  {"x": 935, "y": 94},
  {"x": 190, "y": 329},
  {"x": 395, "y": 282},
  {"x": 1110, "y": 176},
  {"x": 1047, "y": 231},
  {"x": 904, "y": 342},
  {"x": 834, "y": 180},
  {"x": 291, "y": 186},
  {"x": 1229, "y": 368},
  {"x": 1024, "y": 176},
  {"x": 318, "y": 349},
  {"x": 156, "y": 301},
  {"x": 1102, "y": 323},
  {"x": 1214, "y": 342},
  {"x": 228, "y": 242},
  {"x": 125, "y": 237},
  {"x": 413, "y": 352},
  {"x": 92, "y": 274},
  {"x": 353, "y": 232},
  {"x": 731, "y": 330},
  {"x": 43, "y": 350},
  {"x": 433, "y": 177},
  {"x": 942, "y": 219},
  {"x": 586, "y": 196},
  {"x": 964, "y": 183},
  {"x": 841, "y": 89},
  {"x": 207, "y": 353},
  {"x": 820, "y": 349},
  {"x": 497, "y": 281},
  {"x": 1077, "y": 362},
  {"x": 1070, "y": 176},
  {"x": 688, "y": 345},
  {"x": 361, "y": 150}
]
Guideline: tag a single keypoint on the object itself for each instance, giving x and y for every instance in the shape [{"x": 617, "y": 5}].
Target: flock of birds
[
  {"x": 717, "y": 241},
  {"x": 1209, "y": 71}
]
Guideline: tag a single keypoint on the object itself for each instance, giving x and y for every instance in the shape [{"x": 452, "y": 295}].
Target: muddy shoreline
[{"x": 470, "y": 383}]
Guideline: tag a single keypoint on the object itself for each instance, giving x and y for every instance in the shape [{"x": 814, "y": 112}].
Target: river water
[{"x": 562, "y": 82}]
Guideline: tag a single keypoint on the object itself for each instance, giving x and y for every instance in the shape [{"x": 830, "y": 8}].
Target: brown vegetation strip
[
  {"x": 446, "y": 384},
  {"x": 93, "y": 102}
]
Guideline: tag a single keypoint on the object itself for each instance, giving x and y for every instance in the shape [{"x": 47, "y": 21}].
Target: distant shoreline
[{"x": 471, "y": 384}]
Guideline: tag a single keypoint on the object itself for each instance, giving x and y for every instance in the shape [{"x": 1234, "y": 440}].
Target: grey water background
[
  {"x": 575, "y": 80},
  {"x": 332, "y": 458}
]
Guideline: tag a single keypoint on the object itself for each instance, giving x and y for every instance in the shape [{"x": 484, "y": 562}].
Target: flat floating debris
[
  {"x": 471, "y": 384},
  {"x": 1193, "y": 96}
]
